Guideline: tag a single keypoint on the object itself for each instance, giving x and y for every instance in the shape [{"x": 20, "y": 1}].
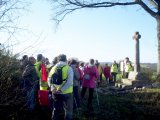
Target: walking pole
[
  {"x": 76, "y": 104},
  {"x": 97, "y": 96}
]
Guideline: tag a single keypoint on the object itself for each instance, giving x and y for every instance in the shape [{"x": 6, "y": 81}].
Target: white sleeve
[{"x": 69, "y": 81}]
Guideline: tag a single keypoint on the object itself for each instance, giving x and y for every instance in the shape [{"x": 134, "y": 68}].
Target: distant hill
[
  {"x": 152, "y": 66},
  {"x": 103, "y": 63}
]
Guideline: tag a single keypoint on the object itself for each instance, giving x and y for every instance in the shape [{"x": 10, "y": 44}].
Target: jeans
[
  {"x": 30, "y": 98},
  {"x": 76, "y": 97},
  {"x": 63, "y": 107},
  {"x": 91, "y": 90},
  {"x": 108, "y": 80},
  {"x": 127, "y": 73},
  {"x": 114, "y": 76}
]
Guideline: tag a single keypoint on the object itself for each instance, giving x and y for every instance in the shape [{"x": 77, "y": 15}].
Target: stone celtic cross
[{"x": 136, "y": 37}]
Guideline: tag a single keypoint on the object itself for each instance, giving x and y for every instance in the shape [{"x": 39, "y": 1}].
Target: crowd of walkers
[{"x": 66, "y": 81}]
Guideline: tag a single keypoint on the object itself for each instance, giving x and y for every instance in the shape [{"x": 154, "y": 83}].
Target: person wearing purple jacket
[{"x": 89, "y": 82}]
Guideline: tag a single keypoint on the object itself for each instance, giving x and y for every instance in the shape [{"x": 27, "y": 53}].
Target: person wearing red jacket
[{"x": 107, "y": 73}]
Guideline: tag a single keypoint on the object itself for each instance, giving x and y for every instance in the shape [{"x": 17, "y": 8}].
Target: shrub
[
  {"x": 10, "y": 76},
  {"x": 149, "y": 74}
]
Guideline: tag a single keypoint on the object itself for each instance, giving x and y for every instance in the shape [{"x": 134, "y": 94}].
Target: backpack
[
  {"x": 87, "y": 73},
  {"x": 57, "y": 76},
  {"x": 87, "y": 76}
]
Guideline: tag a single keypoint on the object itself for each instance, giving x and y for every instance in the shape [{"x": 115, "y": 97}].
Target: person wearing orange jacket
[
  {"x": 44, "y": 76},
  {"x": 100, "y": 71},
  {"x": 41, "y": 72}
]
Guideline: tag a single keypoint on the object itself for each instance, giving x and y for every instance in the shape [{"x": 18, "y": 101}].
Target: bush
[
  {"x": 10, "y": 76},
  {"x": 149, "y": 74}
]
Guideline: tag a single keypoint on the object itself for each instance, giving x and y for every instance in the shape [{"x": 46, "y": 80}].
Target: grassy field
[{"x": 138, "y": 105}]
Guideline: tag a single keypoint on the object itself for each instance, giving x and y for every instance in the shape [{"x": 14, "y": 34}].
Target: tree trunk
[{"x": 158, "y": 38}]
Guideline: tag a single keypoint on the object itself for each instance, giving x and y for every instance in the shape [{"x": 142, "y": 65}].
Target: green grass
[{"x": 139, "y": 105}]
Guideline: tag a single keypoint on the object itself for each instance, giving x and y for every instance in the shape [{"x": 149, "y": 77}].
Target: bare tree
[
  {"x": 10, "y": 12},
  {"x": 64, "y": 7}
]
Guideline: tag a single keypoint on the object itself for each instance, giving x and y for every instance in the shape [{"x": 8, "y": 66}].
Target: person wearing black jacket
[{"x": 30, "y": 80}]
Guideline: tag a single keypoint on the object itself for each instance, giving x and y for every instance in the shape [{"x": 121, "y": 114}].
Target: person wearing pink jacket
[{"x": 89, "y": 81}]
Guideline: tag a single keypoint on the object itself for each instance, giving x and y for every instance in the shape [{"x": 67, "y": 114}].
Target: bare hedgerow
[
  {"x": 10, "y": 79},
  {"x": 10, "y": 75}
]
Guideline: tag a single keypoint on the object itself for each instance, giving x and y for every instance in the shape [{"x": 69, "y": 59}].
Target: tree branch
[
  {"x": 147, "y": 9},
  {"x": 64, "y": 7},
  {"x": 152, "y": 2},
  {"x": 99, "y": 4}
]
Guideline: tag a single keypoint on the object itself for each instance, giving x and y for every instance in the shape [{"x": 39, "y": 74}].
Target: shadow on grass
[{"x": 139, "y": 105}]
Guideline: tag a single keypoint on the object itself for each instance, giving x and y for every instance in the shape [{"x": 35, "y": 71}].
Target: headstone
[
  {"x": 132, "y": 75},
  {"x": 136, "y": 79},
  {"x": 137, "y": 76}
]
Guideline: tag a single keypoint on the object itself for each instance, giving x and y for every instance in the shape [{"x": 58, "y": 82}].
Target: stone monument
[
  {"x": 136, "y": 78},
  {"x": 136, "y": 37}
]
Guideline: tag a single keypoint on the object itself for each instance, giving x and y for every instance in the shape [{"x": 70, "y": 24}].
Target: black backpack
[{"x": 57, "y": 76}]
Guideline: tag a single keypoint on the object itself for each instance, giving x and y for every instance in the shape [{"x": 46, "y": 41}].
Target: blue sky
[{"x": 104, "y": 34}]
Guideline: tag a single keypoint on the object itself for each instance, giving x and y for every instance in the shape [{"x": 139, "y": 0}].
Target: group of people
[
  {"x": 76, "y": 77},
  {"x": 110, "y": 72}
]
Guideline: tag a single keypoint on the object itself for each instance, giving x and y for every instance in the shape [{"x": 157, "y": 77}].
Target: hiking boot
[{"x": 83, "y": 101}]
